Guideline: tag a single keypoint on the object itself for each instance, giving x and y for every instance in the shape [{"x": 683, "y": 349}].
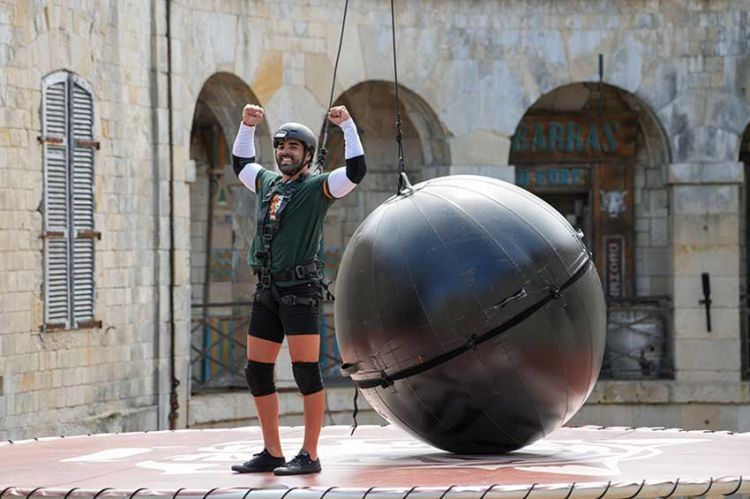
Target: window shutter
[
  {"x": 56, "y": 194},
  {"x": 68, "y": 146},
  {"x": 82, "y": 202}
]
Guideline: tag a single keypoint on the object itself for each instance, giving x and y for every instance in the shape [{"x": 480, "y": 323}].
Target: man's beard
[{"x": 291, "y": 168}]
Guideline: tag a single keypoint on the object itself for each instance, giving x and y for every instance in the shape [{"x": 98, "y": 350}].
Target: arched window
[{"x": 67, "y": 117}]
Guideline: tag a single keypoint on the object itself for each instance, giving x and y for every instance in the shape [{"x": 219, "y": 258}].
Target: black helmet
[{"x": 295, "y": 131}]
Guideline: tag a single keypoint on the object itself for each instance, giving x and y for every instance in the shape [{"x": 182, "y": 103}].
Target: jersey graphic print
[{"x": 275, "y": 206}]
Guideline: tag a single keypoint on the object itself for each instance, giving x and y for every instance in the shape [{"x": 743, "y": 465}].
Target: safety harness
[{"x": 267, "y": 231}]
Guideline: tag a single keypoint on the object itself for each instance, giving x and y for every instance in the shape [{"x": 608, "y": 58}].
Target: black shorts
[{"x": 276, "y": 312}]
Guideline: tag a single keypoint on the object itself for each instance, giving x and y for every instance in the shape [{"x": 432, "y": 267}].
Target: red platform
[{"x": 378, "y": 462}]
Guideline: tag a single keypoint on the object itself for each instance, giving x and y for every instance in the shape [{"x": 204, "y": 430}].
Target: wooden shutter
[
  {"x": 56, "y": 194},
  {"x": 82, "y": 202},
  {"x": 67, "y": 136}
]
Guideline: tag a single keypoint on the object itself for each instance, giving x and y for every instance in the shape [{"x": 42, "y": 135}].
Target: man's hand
[
  {"x": 252, "y": 115},
  {"x": 338, "y": 115}
]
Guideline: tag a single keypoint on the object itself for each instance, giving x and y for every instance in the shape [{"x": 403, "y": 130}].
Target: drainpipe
[
  {"x": 174, "y": 404},
  {"x": 157, "y": 203}
]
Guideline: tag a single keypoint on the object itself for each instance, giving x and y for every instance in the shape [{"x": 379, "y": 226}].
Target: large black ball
[{"x": 469, "y": 313}]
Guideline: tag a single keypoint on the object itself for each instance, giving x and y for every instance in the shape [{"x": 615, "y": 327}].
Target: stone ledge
[
  {"x": 232, "y": 408},
  {"x": 726, "y": 172},
  {"x": 667, "y": 392}
]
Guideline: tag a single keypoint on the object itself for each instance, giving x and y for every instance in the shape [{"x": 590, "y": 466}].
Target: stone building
[{"x": 123, "y": 231}]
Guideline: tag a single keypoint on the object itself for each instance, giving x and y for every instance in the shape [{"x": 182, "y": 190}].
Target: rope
[
  {"x": 323, "y": 152},
  {"x": 355, "y": 411},
  {"x": 403, "y": 180}
]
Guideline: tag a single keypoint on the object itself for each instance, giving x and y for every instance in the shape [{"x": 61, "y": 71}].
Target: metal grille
[
  {"x": 218, "y": 348},
  {"x": 744, "y": 323},
  {"x": 638, "y": 339}
]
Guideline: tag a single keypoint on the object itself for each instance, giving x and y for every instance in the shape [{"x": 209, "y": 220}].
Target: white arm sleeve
[
  {"x": 244, "y": 147},
  {"x": 352, "y": 144},
  {"x": 339, "y": 184},
  {"x": 249, "y": 174},
  {"x": 244, "y": 143}
]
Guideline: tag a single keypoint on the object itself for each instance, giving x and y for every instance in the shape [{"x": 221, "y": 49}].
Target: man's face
[{"x": 290, "y": 156}]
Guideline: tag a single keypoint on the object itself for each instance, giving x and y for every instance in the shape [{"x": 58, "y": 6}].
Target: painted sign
[
  {"x": 613, "y": 202},
  {"x": 557, "y": 178},
  {"x": 562, "y": 137},
  {"x": 614, "y": 265}
]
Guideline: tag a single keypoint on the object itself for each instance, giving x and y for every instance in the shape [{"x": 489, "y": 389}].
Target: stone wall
[
  {"x": 475, "y": 73},
  {"x": 108, "y": 378},
  {"x": 478, "y": 73}
]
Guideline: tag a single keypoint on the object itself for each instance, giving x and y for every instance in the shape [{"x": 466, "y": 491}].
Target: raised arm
[
  {"x": 243, "y": 150},
  {"x": 343, "y": 180}
]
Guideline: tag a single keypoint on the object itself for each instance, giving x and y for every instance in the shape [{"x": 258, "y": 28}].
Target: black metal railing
[
  {"x": 639, "y": 342},
  {"x": 219, "y": 342},
  {"x": 218, "y": 345},
  {"x": 745, "y": 335}
]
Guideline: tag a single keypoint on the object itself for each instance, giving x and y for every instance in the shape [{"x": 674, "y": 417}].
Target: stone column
[{"x": 705, "y": 226}]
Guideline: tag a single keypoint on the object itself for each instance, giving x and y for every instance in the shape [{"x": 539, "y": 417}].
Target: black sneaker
[
  {"x": 262, "y": 461},
  {"x": 300, "y": 465}
]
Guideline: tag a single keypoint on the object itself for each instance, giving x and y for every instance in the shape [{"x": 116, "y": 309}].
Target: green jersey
[{"x": 298, "y": 239}]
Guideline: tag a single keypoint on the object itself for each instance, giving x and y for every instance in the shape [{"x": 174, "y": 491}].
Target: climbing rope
[
  {"x": 403, "y": 180},
  {"x": 323, "y": 152}
]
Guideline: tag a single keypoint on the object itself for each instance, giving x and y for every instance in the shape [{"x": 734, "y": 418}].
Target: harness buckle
[
  {"x": 267, "y": 233},
  {"x": 265, "y": 279},
  {"x": 300, "y": 272}
]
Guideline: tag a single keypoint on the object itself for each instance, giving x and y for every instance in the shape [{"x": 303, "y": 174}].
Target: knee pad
[
  {"x": 259, "y": 376},
  {"x": 308, "y": 377}
]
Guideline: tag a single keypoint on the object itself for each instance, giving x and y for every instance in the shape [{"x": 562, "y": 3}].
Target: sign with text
[
  {"x": 574, "y": 137},
  {"x": 614, "y": 265},
  {"x": 553, "y": 178}
]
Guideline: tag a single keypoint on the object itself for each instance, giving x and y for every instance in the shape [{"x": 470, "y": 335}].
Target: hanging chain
[
  {"x": 403, "y": 180},
  {"x": 323, "y": 152}
]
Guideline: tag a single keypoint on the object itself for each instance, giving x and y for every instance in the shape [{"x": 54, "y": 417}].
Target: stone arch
[
  {"x": 221, "y": 100},
  {"x": 580, "y": 147},
  {"x": 222, "y": 215},
  {"x": 426, "y": 154}
]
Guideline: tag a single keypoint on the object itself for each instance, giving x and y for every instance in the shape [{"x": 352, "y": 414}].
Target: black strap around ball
[{"x": 385, "y": 380}]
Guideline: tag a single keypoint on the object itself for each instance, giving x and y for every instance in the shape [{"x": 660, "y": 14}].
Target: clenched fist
[
  {"x": 338, "y": 114},
  {"x": 252, "y": 115}
]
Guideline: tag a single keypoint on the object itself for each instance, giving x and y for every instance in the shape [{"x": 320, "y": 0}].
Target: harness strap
[
  {"x": 267, "y": 229},
  {"x": 311, "y": 270}
]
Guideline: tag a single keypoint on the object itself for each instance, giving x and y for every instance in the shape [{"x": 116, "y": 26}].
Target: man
[{"x": 291, "y": 209}]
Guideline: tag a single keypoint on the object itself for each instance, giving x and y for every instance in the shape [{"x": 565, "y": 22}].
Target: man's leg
[
  {"x": 305, "y": 349},
  {"x": 267, "y": 406}
]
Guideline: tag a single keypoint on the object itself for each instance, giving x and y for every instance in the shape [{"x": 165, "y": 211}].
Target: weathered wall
[
  {"x": 106, "y": 378},
  {"x": 476, "y": 67}
]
